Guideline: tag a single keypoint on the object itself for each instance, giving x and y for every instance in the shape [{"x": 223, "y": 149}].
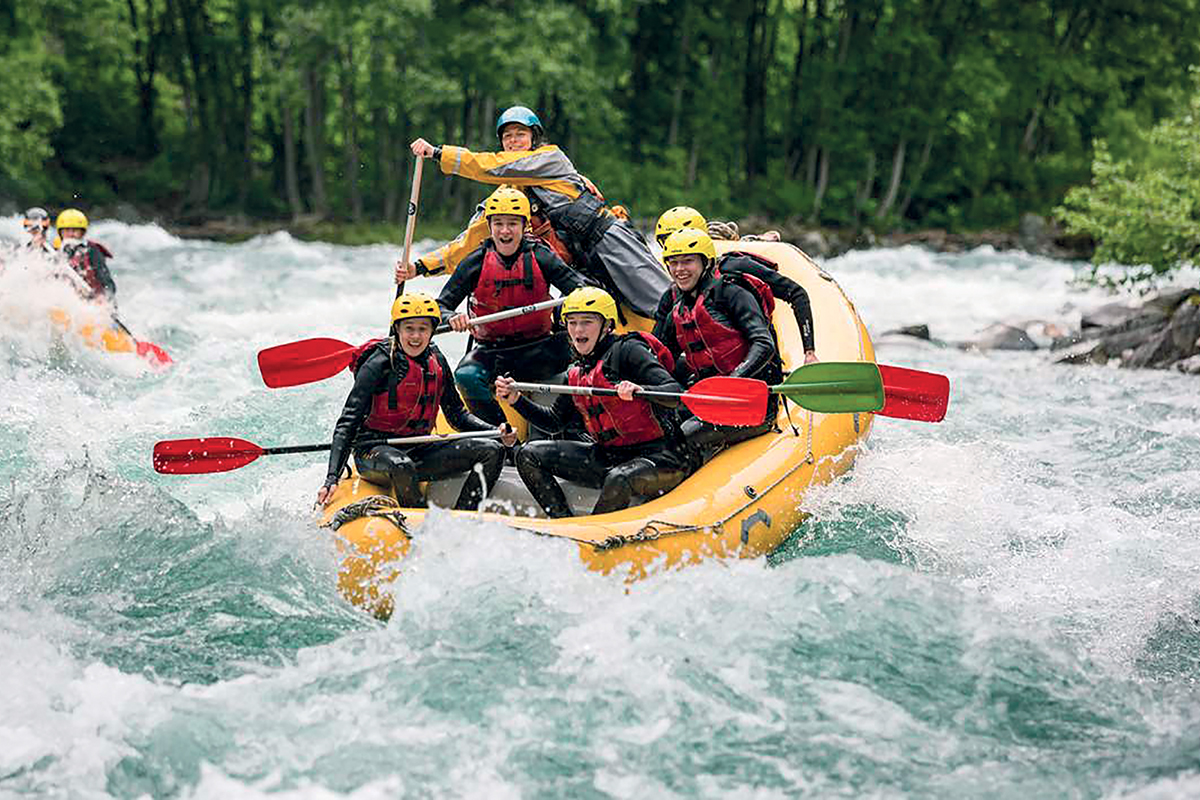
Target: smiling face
[
  {"x": 584, "y": 330},
  {"x": 71, "y": 233},
  {"x": 516, "y": 138},
  {"x": 414, "y": 334},
  {"x": 507, "y": 231},
  {"x": 686, "y": 270}
]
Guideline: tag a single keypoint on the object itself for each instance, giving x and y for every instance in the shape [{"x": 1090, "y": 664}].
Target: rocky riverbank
[{"x": 1160, "y": 331}]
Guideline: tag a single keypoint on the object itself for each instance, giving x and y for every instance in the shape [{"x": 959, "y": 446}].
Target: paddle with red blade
[
  {"x": 311, "y": 360},
  {"x": 913, "y": 394},
  {"x": 147, "y": 350},
  {"x": 223, "y": 453},
  {"x": 720, "y": 400}
]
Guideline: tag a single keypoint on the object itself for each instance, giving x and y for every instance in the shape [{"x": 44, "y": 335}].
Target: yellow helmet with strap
[
  {"x": 689, "y": 241},
  {"x": 675, "y": 218},
  {"x": 592, "y": 300},
  {"x": 71, "y": 218},
  {"x": 416, "y": 305},
  {"x": 507, "y": 200}
]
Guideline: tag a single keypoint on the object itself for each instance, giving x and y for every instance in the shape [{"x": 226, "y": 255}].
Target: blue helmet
[{"x": 522, "y": 115}]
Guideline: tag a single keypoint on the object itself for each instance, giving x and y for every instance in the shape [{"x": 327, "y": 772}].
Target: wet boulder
[{"x": 1001, "y": 336}]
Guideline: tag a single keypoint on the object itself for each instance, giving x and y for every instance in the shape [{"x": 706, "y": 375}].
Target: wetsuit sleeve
[
  {"x": 103, "y": 273},
  {"x": 558, "y": 274},
  {"x": 662, "y": 320},
  {"x": 546, "y": 166},
  {"x": 461, "y": 284},
  {"x": 452, "y": 405},
  {"x": 372, "y": 373},
  {"x": 784, "y": 288},
  {"x": 636, "y": 363},
  {"x": 445, "y": 259},
  {"x": 746, "y": 315},
  {"x": 552, "y": 419}
]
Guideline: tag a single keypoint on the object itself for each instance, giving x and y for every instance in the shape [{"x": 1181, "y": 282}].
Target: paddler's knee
[{"x": 474, "y": 381}]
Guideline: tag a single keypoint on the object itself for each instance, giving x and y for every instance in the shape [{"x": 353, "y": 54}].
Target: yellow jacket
[{"x": 546, "y": 174}]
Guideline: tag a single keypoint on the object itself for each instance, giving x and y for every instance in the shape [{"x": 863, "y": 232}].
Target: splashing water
[{"x": 1004, "y": 604}]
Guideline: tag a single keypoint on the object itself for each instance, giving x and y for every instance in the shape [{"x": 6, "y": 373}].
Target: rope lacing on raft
[
  {"x": 659, "y": 529},
  {"x": 377, "y": 505}
]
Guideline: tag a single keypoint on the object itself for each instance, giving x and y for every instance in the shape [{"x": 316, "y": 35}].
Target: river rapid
[{"x": 1005, "y": 604}]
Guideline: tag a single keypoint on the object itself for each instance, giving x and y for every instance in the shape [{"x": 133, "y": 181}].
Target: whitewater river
[{"x": 1002, "y": 605}]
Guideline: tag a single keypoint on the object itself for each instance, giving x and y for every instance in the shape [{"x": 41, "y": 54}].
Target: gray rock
[
  {"x": 1001, "y": 337},
  {"x": 1185, "y": 328},
  {"x": 1110, "y": 315},
  {"x": 1168, "y": 300},
  {"x": 1083, "y": 353},
  {"x": 813, "y": 242},
  {"x": 917, "y": 331},
  {"x": 1156, "y": 351},
  {"x": 1190, "y": 366}
]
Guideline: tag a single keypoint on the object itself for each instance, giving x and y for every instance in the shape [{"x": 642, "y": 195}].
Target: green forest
[{"x": 959, "y": 114}]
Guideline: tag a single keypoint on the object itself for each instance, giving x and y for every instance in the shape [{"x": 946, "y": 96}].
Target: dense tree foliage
[
  {"x": 1145, "y": 212},
  {"x": 958, "y": 113}
]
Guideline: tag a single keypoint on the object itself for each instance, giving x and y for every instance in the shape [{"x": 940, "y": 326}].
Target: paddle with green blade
[
  {"x": 834, "y": 387},
  {"x": 224, "y": 453},
  {"x": 311, "y": 360},
  {"x": 721, "y": 400}
]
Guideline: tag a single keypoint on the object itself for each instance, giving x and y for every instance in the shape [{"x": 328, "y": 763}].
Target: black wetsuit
[
  {"x": 737, "y": 307},
  {"x": 783, "y": 287},
  {"x": 527, "y": 360},
  {"x": 405, "y": 466},
  {"x": 649, "y": 469}
]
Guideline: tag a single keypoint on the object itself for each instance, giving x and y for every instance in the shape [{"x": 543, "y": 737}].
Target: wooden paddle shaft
[
  {"x": 411, "y": 225},
  {"x": 449, "y": 437}
]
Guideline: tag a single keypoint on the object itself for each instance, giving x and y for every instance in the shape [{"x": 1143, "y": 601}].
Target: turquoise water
[{"x": 1002, "y": 605}]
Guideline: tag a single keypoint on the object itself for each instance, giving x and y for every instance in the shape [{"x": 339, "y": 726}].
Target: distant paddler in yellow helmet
[
  {"x": 739, "y": 264},
  {"x": 509, "y": 270},
  {"x": 602, "y": 246},
  {"x": 88, "y": 258},
  {"x": 636, "y": 450},
  {"x": 399, "y": 384}
]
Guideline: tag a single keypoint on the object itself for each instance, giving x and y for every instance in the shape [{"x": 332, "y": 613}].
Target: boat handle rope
[{"x": 377, "y": 505}]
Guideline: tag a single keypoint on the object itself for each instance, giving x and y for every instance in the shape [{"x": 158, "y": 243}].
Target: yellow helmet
[
  {"x": 506, "y": 200},
  {"x": 415, "y": 305},
  {"x": 593, "y": 300},
  {"x": 678, "y": 217},
  {"x": 687, "y": 241},
  {"x": 71, "y": 218}
]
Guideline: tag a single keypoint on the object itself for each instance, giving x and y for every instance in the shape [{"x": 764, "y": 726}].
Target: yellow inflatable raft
[
  {"x": 109, "y": 338},
  {"x": 743, "y": 503}
]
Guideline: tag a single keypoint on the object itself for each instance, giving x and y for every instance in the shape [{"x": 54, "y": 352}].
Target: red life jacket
[
  {"x": 709, "y": 347},
  {"x": 409, "y": 407},
  {"x": 611, "y": 421},
  {"x": 81, "y": 261},
  {"x": 501, "y": 288},
  {"x": 541, "y": 229}
]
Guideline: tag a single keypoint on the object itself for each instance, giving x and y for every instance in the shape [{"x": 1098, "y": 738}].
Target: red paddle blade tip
[
  {"x": 306, "y": 361},
  {"x": 913, "y": 394},
  {"x": 723, "y": 400},
  {"x": 200, "y": 456},
  {"x": 154, "y": 354}
]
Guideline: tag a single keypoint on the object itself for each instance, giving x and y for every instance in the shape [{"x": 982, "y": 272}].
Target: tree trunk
[
  {"x": 290, "y": 177},
  {"x": 822, "y": 185},
  {"x": 865, "y": 188},
  {"x": 145, "y": 67},
  {"x": 350, "y": 120},
  {"x": 314, "y": 112},
  {"x": 889, "y": 199},
  {"x": 917, "y": 174},
  {"x": 248, "y": 170}
]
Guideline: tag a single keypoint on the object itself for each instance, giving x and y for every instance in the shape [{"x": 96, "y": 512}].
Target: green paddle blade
[{"x": 834, "y": 387}]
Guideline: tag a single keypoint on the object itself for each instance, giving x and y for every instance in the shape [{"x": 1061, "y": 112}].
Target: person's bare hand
[
  {"x": 626, "y": 389},
  {"x": 421, "y": 148}
]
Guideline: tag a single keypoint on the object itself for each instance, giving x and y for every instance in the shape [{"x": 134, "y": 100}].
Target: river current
[{"x": 1005, "y": 604}]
